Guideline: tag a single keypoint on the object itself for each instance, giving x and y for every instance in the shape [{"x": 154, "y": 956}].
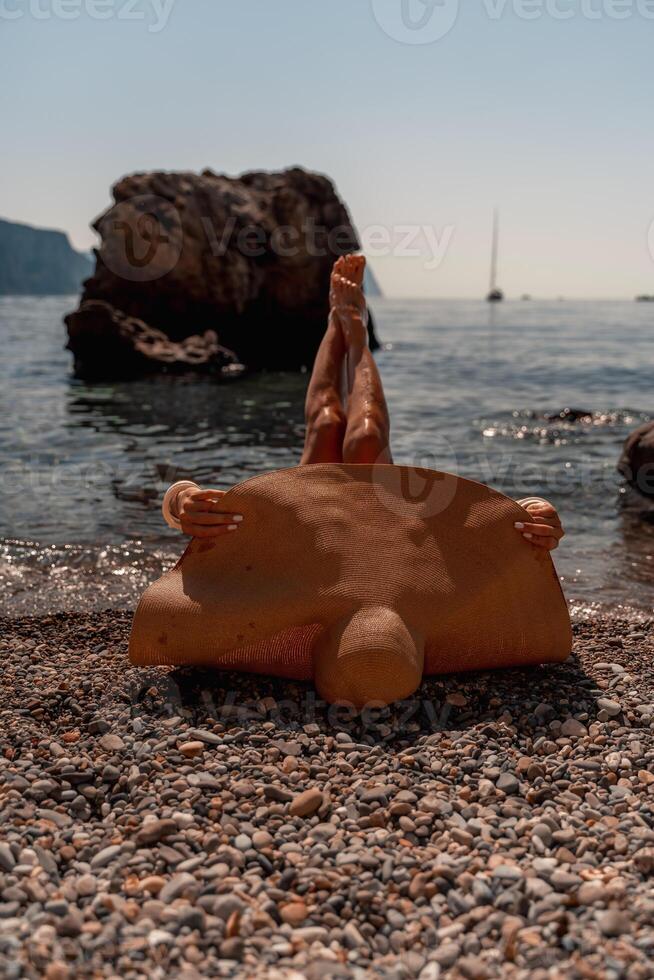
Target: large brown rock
[
  {"x": 637, "y": 460},
  {"x": 248, "y": 258}
]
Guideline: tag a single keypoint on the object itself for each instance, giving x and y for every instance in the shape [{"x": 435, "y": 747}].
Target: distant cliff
[{"x": 39, "y": 262}]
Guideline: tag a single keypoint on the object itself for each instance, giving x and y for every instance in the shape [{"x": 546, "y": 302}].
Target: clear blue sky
[{"x": 549, "y": 119}]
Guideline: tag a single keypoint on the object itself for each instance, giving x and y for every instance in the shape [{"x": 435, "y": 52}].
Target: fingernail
[
  {"x": 237, "y": 517},
  {"x": 232, "y": 527},
  {"x": 527, "y": 536},
  {"x": 518, "y": 526}
]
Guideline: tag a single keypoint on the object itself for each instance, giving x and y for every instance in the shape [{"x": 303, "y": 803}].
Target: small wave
[{"x": 558, "y": 428}]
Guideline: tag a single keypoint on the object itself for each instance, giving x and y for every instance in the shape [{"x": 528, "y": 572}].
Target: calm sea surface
[{"x": 472, "y": 389}]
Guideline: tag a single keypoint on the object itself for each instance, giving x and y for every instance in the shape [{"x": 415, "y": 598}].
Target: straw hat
[{"x": 362, "y": 578}]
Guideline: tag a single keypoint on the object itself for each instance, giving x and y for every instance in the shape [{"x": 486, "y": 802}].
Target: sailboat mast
[{"x": 493, "y": 278}]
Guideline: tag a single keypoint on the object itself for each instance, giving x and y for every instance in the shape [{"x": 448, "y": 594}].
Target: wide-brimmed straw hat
[{"x": 361, "y": 578}]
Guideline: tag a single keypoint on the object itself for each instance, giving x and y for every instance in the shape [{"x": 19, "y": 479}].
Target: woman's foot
[{"x": 347, "y": 301}]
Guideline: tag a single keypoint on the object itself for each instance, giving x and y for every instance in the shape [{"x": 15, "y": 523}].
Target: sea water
[{"x": 484, "y": 391}]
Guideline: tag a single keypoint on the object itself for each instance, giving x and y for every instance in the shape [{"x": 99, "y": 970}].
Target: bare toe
[
  {"x": 339, "y": 266},
  {"x": 353, "y": 267},
  {"x": 346, "y": 271},
  {"x": 357, "y": 269}
]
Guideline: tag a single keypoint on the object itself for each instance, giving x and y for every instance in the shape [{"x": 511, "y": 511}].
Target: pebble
[
  {"x": 153, "y": 831},
  {"x": 152, "y": 884},
  {"x": 322, "y": 831},
  {"x": 278, "y": 794},
  {"x": 572, "y": 727},
  {"x": 87, "y": 886},
  {"x": 294, "y": 913},
  {"x": 644, "y": 860},
  {"x": 306, "y": 803},
  {"x": 106, "y": 856},
  {"x": 512, "y": 838},
  {"x": 111, "y": 743},
  {"x": 224, "y": 906},
  {"x": 590, "y": 892},
  {"x": 209, "y": 738},
  {"x": 232, "y": 949},
  {"x": 613, "y": 922},
  {"x": 544, "y": 832},
  {"x": 612, "y": 708},
  {"x": 176, "y": 886},
  {"x": 7, "y": 859},
  {"x": 352, "y": 937},
  {"x": 508, "y": 783}
]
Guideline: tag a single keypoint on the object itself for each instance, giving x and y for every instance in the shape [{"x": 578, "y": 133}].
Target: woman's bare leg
[
  {"x": 323, "y": 411},
  {"x": 367, "y": 434}
]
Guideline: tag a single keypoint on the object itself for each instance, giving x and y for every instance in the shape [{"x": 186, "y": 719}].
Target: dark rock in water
[
  {"x": 637, "y": 460},
  {"x": 129, "y": 347},
  {"x": 39, "y": 262},
  {"x": 184, "y": 253},
  {"x": 570, "y": 415}
]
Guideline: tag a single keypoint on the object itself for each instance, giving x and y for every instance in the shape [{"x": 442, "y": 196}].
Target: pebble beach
[{"x": 177, "y": 823}]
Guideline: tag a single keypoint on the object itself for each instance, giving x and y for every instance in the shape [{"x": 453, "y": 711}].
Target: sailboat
[{"x": 495, "y": 295}]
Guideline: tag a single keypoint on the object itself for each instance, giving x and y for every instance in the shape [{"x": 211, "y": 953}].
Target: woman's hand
[
  {"x": 545, "y": 529},
  {"x": 201, "y": 515}
]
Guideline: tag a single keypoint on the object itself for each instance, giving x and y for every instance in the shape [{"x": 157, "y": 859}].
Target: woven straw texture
[{"x": 361, "y": 578}]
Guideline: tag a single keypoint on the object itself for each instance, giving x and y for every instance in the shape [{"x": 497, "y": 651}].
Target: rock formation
[
  {"x": 130, "y": 347},
  {"x": 247, "y": 258}
]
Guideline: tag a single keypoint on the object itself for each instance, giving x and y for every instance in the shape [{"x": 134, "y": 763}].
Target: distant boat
[
  {"x": 645, "y": 298},
  {"x": 526, "y": 297},
  {"x": 495, "y": 295}
]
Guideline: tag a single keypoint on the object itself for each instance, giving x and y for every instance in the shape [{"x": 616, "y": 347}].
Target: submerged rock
[
  {"x": 636, "y": 463},
  {"x": 108, "y": 344},
  {"x": 187, "y": 259}
]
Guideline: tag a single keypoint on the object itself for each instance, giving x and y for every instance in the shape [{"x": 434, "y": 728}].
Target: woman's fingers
[
  {"x": 540, "y": 530},
  {"x": 204, "y": 507},
  {"x": 549, "y": 543},
  {"x": 210, "y": 520},
  {"x": 544, "y": 536},
  {"x": 207, "y": 530},
  {"x": 206, "y": 492},
  {"x": 208, "y": 496},
  {"x": 542, "y": 511}
]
